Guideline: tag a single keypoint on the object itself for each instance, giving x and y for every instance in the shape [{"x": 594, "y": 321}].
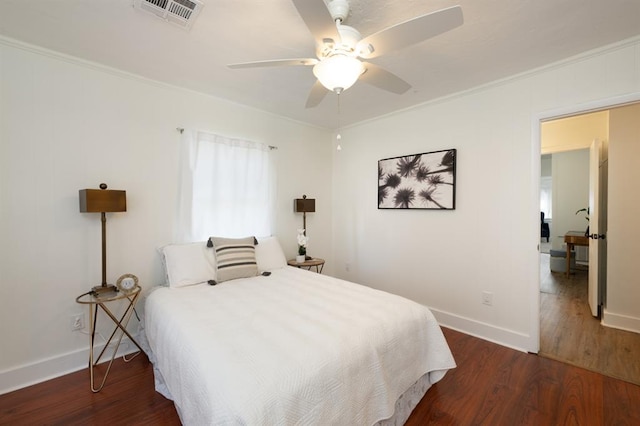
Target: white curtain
[{"x": 227, "y": 188}]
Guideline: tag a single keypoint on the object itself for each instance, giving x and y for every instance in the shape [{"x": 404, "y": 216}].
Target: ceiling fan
[{"x": 340, "y": 48}]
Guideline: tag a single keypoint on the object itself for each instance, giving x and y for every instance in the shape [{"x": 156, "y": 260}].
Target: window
[
  {"x": 545, "y": 196},
  {"x": 227, "y": 187}
]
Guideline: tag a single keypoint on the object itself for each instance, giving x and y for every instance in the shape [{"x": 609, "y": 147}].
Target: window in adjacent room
[{"x": 546, "y": 196}]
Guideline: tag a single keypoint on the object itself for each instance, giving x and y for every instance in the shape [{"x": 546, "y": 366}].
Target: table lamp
[
  {"x": 103, "y": 201},
  {"x": 304, "y": 205}
]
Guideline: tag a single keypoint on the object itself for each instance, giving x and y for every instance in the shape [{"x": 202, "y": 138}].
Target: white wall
[
  {"x": 576, "y": 132},
  {"x": 545, "y": 166},
  {"x": 546, "y": 192},
  {"x": 446, "y": 259},
  {"x": 623, "y": 246},
  {"x": 570, "y": 194},
  {"x": 68, "y": 125}
]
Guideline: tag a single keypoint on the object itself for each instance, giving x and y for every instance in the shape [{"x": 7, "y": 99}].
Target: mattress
[{"x": 292, "y": 348}]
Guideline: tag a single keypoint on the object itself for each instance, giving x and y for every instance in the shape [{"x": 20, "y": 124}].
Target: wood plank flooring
[
  {"x": 492, "y": 385},
  {"x": 569, "y": 333},
  {"x": 495, "y": 385},
  {"x": 128, "y": 398}
]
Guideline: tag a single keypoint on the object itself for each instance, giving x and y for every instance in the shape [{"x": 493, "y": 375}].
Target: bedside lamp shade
[
  {"x": 103, "y": 201},
  {"x": 304, "y": 205}
]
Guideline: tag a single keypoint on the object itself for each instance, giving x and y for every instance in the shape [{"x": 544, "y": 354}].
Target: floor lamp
[{"x": 103, "y": 201}]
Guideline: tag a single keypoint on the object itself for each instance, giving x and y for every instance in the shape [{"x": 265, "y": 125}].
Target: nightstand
[
  {"x": 100, "y": 301},
  {"x": 318, "y": 263}
]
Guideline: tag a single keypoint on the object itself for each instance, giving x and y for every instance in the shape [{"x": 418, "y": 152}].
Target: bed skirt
[{"x": 407, "y": 402}]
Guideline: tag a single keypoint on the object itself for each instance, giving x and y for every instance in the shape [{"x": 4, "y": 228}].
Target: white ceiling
[{"x": 498, "y": 38}]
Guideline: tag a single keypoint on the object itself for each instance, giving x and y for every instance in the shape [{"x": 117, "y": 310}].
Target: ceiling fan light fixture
[{"x": 338, "y": 72}]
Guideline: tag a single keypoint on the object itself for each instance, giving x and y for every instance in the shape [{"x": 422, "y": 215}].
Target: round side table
[
  {"x": 315, "y": 262},
  {"x": 97, "y": 302}
]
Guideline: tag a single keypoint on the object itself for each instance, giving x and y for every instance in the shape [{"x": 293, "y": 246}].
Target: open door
[{"x": 598, "y": 169}]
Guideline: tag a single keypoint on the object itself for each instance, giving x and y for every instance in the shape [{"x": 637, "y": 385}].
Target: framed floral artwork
[{"x": 418, "y": 181}]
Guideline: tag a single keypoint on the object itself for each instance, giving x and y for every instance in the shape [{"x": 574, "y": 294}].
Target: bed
[{"x": 294, "y": 347}]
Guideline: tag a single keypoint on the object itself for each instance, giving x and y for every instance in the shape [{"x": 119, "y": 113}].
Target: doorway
[{"x": 568, "y": 331}]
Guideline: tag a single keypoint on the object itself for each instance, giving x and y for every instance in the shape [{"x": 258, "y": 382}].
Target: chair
[{"x": 544, "y": 227}]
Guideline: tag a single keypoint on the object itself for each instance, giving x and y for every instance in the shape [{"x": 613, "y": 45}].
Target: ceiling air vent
[{"x": 179, "y": 12}]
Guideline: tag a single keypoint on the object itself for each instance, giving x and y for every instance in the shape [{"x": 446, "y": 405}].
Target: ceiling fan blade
[
  {"x": 275, "y": 63},
  {"x": 383, "y": 79},
  {"x": 410, "y": 32},
  {"x": 317, "y": 94},
  {"x": 316, "y": 16}
]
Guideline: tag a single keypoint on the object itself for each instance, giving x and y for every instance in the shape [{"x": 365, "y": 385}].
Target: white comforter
[{"x": 292, "y": 348}]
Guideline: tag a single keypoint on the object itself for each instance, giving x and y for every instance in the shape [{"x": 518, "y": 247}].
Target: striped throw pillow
[{"x": 235, "y": 257}]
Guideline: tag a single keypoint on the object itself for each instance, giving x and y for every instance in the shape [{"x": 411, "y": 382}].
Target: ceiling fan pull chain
[{"x": 338, "y": 135}]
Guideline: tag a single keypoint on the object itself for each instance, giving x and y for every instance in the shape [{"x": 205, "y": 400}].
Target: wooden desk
[{"x": 571, "y": 239}]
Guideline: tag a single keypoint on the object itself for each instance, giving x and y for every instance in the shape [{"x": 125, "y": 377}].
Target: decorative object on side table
[
  {"x": 302, "y": 246},
  {"x": 103, "y": 201},
  {"x": 586, "y": 216},
  {"x": 420, "y": 181},
  {"x": 127, "y": 283}
]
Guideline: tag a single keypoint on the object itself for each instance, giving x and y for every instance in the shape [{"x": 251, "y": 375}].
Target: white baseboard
[
  {"x": 50, "y": 368},
  {"x": 622, "y": 322},
  {"x": 491, "y": 333}
]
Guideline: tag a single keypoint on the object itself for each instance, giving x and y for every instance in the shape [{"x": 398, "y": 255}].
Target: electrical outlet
[
  {"x": 487, "y": 298},
  {"x": 347, "y": 266},
  {"x": 77, "y": 322}
]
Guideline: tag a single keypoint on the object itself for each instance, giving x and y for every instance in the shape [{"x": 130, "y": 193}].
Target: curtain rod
[{"x": 181, "y": 131}]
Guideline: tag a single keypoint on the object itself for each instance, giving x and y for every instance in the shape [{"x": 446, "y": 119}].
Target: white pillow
[
  {"x": 188, "y": 264},
  {"x": 269, "y": 255}
]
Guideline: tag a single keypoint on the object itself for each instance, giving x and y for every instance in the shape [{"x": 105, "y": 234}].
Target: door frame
[
  {"x": 597, "y": 254},
  {"x": 536, "y": 147}
]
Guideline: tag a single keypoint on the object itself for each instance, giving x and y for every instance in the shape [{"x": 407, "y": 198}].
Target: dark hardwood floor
[
  {"x": 492, "y": 385},
  {"x": 495, "y": 385}
]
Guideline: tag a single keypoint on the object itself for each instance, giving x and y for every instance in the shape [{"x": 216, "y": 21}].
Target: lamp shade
[
  {"x": 102, "y": 200},
  {"x": 304, "y": 205},
  {"x": 338, "y": 72}
]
